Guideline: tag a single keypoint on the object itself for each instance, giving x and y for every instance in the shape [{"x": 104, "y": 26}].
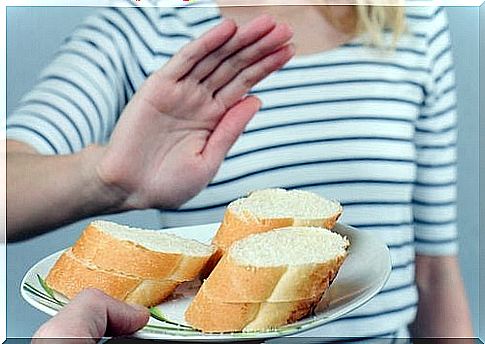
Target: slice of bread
[
  {"x": 130, "y": 264},
  {"x": 211, "y": 315},
  {"x": 70, "y": 275},
  {"x": 268, "y": 279},
  {"x": 143, "y": 253},
  {"x": 268, "y": 209}
]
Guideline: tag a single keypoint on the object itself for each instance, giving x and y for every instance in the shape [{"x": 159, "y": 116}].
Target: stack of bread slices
[
  {"x": 268, "y": 209},
  {"x": 270, "y": 262},
  {"x": 278, "y": 259},
  {"x": 132, "y": 265},
  {"x": 267, "y": 280}
]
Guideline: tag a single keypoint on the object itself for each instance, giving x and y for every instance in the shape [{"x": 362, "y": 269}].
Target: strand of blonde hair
[{"x": 371, "y": 21}]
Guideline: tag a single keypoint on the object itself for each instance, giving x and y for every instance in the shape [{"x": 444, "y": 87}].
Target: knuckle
[
  {"x": 233, "y": 69},
  {"x": 219, "y": 54},
  {"x": 265, "y": 70},
  {"x": 260, "y": 51},
  {"x": 241, "y": 61},
  {"x": 247, "y": 79},
  {"x": 188, "y": 55},
  {"x": 236, "y": 64}
]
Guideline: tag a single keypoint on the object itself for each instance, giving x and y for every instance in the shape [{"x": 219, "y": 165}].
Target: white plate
[{"x": 362, "y": 276}]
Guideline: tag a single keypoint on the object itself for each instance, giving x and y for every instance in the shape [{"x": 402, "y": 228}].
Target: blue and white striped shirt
[{"x": 373, "y": 129}]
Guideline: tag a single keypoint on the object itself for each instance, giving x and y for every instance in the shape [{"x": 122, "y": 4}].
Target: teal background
[{"x": 482, "y": 174}]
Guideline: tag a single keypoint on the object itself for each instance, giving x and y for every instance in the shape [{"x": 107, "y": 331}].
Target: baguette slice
[
  {"x": 147, "y": 254},
  {"x": 268, "y": 209},
  {"x": 268, "y": 279},
  {"x": 211, "y": 315},
  {"x": 70, "y": 275},
  {"x": 232, "y": 282}
]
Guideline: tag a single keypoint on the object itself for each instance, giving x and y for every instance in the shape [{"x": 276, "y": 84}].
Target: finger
[
  {"x": 246, "y": 35},
  {"x": 249, "y": 77},
  {"x": 93, "y": 314},
  {"x": 280, "y": 35},
  {"x": 182, "y": 62},
  {"x": 228, "y": 130},
  {"x": 125, "y": 319}
]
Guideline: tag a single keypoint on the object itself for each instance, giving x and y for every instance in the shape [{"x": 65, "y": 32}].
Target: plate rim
[{"x": 311, "y": 323}]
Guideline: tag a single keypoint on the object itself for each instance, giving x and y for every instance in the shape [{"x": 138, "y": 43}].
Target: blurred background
[
  {"x": 482, "y": 170},
  {"x": 33, "y": 36}
]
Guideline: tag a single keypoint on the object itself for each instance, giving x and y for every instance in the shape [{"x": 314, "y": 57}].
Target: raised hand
[
  {"x": 175, "y": 132},
  {"x": 169, "y": 142}
]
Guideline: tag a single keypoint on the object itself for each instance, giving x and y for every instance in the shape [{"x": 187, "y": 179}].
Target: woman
[{"x": 365, "y": 113}]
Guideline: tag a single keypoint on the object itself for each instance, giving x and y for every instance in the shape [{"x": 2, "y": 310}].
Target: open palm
[{"x": 177, "y": 129}]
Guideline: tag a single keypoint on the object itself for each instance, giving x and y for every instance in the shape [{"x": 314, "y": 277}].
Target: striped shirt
[{"x": 373, "y": 129}]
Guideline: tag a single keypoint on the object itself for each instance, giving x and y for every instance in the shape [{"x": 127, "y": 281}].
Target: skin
[
  {"x": 443, "y": 308},
  {"x": 308, "y": 24},
  {"x": 90, "y": 316},
  {"x": 169, "y": 142},
  {"x": 181, "y": 138}
]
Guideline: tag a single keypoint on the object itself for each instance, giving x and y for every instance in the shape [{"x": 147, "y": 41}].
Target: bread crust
[
  {"x": 108, "y": 253},
  {"x": 151, "y": 292},
  {"x": 237, "y": 296},
  {"x": 209, "y": 315},
  {"x": 272, "y": 315},
  {"x": 213, "y": 316},
  {"x": 237, "y": 226},
  {"x": 231, "y": 282},
  {"x": 70, "y": 275}
]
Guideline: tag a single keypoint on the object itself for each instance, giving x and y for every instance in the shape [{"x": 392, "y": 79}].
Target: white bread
[
  {"x": 139, "y": 252},
  {"x": 211, "y": 315},
  {"x": 268, "y": 279},
  {"x": 268, "y": 209},
  {"x": 130, "y": 264},
  {"x": 70, "y": 275}
]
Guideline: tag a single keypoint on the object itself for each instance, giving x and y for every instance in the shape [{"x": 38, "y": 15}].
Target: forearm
[
  {"x": 443, "y": 307},
  {"x": 48, "y": 191}
]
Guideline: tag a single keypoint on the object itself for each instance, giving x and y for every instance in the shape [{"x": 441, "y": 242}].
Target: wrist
[{"x": 106, "y": 193}]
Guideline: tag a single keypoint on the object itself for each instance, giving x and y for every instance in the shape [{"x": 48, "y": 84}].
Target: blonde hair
[{"x": 370, "y": 20}]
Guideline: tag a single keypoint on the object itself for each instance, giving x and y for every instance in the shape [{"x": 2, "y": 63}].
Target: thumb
[
  {"x": 229, "y": 129},
  {"x": 93, "y": 314}
]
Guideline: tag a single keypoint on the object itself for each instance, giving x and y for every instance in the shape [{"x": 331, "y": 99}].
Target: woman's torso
[{"x": 340, "y": 123}]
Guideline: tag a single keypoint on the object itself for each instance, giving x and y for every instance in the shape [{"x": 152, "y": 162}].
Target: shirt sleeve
[
  {"x": 79, "y": 96},
  {"x": 434, "y": 198}
]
